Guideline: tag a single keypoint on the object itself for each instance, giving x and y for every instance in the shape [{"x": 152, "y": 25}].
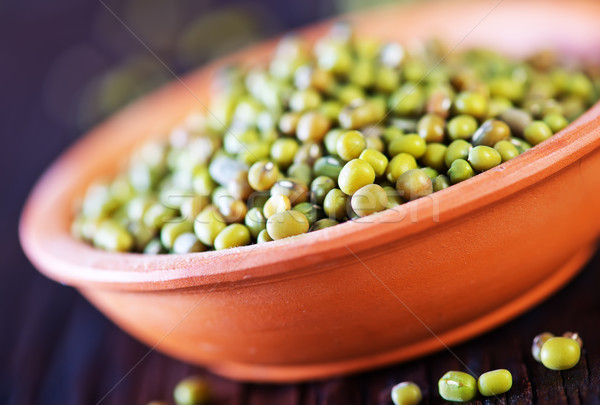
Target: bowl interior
[{"x": 508, "y": 26}]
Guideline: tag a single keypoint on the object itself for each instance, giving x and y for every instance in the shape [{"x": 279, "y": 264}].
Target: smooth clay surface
[{"x": 386, "y": 288}]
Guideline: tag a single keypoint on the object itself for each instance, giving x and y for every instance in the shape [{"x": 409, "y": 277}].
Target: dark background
[{"x": 66, "y": 64}]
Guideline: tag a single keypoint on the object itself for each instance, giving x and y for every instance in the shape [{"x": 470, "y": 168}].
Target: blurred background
[
  {"x": 67, "y": 64},
  {"x": 84, "y": 59}
]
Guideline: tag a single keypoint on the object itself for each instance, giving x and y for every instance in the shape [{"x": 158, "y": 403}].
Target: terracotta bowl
[{"x": 400, "y": 284}]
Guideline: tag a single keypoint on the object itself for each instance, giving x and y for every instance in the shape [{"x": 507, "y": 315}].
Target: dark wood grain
[{"x": 60, "y": 350}]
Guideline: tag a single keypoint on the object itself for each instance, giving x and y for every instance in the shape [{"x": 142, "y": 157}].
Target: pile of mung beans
[{"x": 326, "y": 134}]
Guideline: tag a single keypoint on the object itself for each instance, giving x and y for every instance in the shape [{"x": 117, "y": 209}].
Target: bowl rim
[{"x": 85, "y": 266}]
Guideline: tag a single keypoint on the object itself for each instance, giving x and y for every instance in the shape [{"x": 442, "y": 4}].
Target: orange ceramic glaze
[{"x": 383, "y": 289}]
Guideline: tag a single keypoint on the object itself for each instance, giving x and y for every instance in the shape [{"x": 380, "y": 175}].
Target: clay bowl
[{"x": 400, "y": 284}]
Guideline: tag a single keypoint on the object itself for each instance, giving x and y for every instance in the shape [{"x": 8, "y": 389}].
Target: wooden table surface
[{"x": 55, "y": 348}]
